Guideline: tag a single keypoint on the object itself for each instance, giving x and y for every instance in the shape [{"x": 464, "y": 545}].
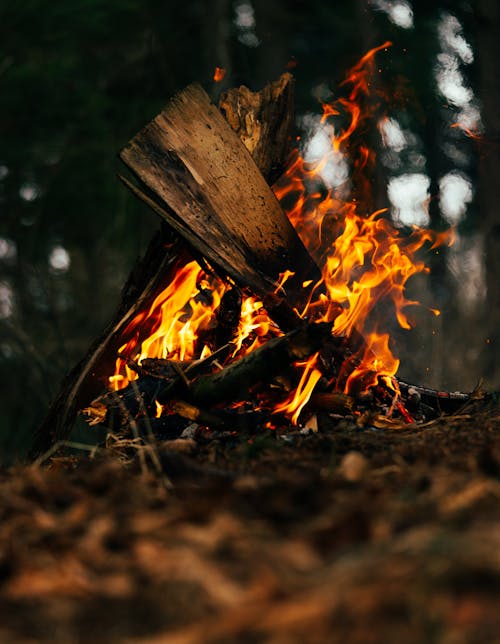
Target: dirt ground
[{"x": 344, "y": 535}]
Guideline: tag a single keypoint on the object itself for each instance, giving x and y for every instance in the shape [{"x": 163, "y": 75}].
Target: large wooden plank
[{"x": 210, "y": 190}]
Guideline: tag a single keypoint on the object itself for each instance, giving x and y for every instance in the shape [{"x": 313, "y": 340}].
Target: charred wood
[
  {"x": 259, "y": 366},
  {"x": 333, "y": 402},
  {"x": 441, "y": 402},
  {"x": 226, "y": 319},
  {"x": 89, "y": 376},
  {"x": 228, "y": 385}
]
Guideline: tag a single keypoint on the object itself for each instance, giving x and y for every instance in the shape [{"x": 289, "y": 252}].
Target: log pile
[
  {"x": 168, "y": 252},
  {"x": 206, "y": 172}
]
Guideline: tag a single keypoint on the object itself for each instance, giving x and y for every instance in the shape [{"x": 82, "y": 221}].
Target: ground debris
[{"x": 338, "y": 535}]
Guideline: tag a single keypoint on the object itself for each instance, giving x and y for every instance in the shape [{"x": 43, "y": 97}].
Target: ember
[{"x": 219, "y": 74}]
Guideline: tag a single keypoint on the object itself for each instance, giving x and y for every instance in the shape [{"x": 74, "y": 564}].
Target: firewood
[
  {"x": 209, "y": 189},
  {"x": 200, "y": 416},
  {"x": 226, "y": 319},
  {"x": 259, "y": 366},
  {"x": 229, "y": 385},
  {"x": 157, "y": 384},
  {"x": 165, "y": 254},
  {"x": 264, "y": 122},
  {"x": 89, "y": 376},
  {"x": 333, "y": 402}
]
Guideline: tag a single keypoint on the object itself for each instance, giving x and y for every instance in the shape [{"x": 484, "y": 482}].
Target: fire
[
  {"x": 377, "y": 362},
  {"x": 467, "y": 131},
  {"x": 159, "y": 409},
  {"x": 177, "y": 319},
  {"x": 369, "y": 260},
  {"x": 254, "y": 322},
  {"x": 365, "y": 260},
  {"x": 219, "y": 74},
  {"x": 300, "y": 397}
]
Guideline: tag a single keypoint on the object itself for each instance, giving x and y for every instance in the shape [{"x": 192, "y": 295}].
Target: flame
[
  {"x": 366, "y": 262},
  {"x": 369, "y": 260},
  {"x": 467, "y": 131},
  {"x": 175, "y": 318},
  {"x": 377, "y": 362},
  {"x": 294, "y": 404},
  {"x": 178, "y": 316},
  {"x": 159, "y": 409},
  {"x": 255, "y": 326},
  {"x": 359, "y": 76},
  {"x": 219, "y": 74},
  {"x": 365, "y": 259}
]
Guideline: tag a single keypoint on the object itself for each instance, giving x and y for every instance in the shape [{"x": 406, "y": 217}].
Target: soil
[{"x": 344, "y": 535}]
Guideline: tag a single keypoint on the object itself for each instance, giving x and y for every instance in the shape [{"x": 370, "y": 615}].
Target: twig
[
  {"x": 191, "y": 412},
  {"x": 135, "y": 430},
  {"x": 181, "y": 374},
  {"x": 73, "y": 445},
  {"x": 152, "y": 444}
]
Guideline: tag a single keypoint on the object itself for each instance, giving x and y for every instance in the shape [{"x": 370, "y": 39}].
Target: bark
[{"x": 264, "y": 122}]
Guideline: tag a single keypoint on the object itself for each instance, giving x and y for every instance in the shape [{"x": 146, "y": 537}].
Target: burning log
[
  {"x": 228, "y": 385},
  {"x": 165, "y": 255},
  {"x": 227, "y": 318},
  {"x": 260, "y": 366},
  {"x": 333, "y": 402},
  {"x": 209, "y": 189}
]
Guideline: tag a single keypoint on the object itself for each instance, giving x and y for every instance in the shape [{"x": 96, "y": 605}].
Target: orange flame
[
  {"x": 178, "y": 316},
  {"x": 219, "y": 74},
  {"x": 369, "y": 260},
  {"x": 365, "y": 259},
  {"x": 467, "y": 131},
  {"x": 294, "y": 404},
  {"x": 159, "y": 409},
  {"x": 377, "y": 362},
  {"x": 255, "y": 325}
]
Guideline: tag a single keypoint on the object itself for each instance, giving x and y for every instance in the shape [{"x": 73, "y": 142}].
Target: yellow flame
[
  {"x": 159, "y": 409},
  {"x": 294, "y": 404}
]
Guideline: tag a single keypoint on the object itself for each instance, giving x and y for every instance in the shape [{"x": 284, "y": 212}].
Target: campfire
[{"x": 259, "y": 306}]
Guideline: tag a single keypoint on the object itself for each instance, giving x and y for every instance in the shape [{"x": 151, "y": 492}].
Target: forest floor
[{"x": 344, "y": 535}]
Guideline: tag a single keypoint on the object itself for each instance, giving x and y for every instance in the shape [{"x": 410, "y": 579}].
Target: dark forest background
[{"x": 79, "y": 78}]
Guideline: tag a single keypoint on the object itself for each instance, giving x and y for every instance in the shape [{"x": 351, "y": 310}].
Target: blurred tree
[{"x": 488, "y": 50}]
